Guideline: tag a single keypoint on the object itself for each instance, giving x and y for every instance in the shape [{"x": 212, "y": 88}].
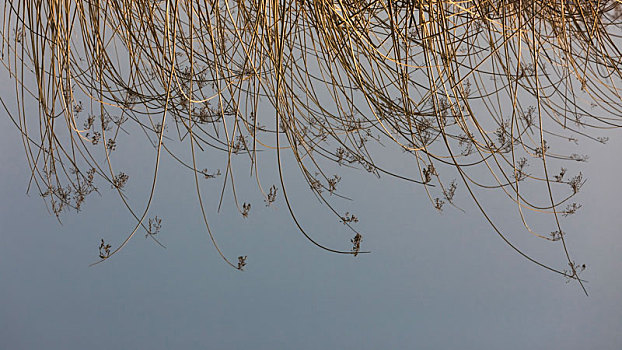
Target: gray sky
[{"x": 433, "y": 281}]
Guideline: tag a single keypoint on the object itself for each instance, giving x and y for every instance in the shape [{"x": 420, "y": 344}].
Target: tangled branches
[{"x": 458, "y": 86}]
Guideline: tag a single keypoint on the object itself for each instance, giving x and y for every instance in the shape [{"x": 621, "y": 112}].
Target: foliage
[{"x": 478, "y": 94}]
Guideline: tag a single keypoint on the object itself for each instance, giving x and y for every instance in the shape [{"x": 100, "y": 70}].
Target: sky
[{"x": 432, "y": 280}]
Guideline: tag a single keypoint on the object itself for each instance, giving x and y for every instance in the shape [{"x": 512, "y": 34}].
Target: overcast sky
[{"x": 432, "y": 281}]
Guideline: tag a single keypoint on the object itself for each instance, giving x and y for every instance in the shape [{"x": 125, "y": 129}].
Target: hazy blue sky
[{"x": 433, "y": 281}]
